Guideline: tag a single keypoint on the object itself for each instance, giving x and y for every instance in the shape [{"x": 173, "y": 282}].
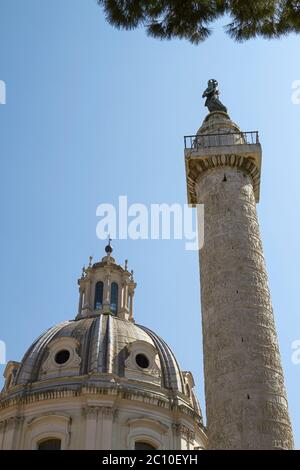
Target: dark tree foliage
[{"x": 166, "y": 19}]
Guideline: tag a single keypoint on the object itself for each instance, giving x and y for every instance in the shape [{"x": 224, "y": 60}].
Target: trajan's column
[{"x": 246, "y": 403}]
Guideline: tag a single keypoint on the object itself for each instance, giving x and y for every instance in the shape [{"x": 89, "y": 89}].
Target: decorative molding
[
  {"x": 11, "y": 421},
  {"x": 147, "y": 423},
  {"x": 50, "y": 366},
  {"x": 117, "y": 392},
  {"x": 109, "y": 412},
  {"x": 148, "y": 430},
  {"x": 91, "y": 412},
  {"x": 45, "y": 416},
  {"x": 197, "y": 164},
  {"x": 152, "y": 373},
  {"x": 184, "y": 431}
]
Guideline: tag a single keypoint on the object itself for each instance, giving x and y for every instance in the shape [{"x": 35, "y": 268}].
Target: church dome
[
  {"x": 101, "y": 381},
  {"x": 100, "y": 349}
]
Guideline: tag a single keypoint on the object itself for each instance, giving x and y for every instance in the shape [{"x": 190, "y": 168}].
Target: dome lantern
[{"x": 106, "y": 287}]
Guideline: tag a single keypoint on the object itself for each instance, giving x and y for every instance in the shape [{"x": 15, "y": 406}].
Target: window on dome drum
[
  {"x": 142, "y": 361},
  {"x": 143, "y": 446},
  {"x": 98, "y": 296},
  {"x": 49, "y": 444},
  {"x": 114, "y": 293},
  {"x": 62, "y": 356}
]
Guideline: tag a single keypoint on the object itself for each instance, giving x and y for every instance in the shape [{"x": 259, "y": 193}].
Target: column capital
[{"x": 220, "y": 143}]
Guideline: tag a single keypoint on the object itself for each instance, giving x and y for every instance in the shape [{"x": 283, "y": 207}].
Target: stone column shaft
[
  {"x": 244, "y": 387},
  {"x": 246, "y": 404}
]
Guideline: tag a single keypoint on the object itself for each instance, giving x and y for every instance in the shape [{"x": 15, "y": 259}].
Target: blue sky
[{"x": 93, "y": 113}]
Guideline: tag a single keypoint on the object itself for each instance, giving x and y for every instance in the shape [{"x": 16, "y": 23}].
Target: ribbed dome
[
  {"x": 103, "y": 349},
  {"x": 102, "y": 346}
]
